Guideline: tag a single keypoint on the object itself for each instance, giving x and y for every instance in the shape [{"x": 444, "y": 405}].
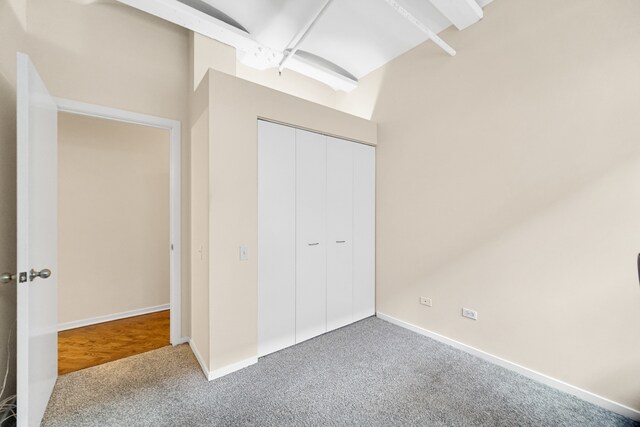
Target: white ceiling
[{"x": 358, "y": 36}]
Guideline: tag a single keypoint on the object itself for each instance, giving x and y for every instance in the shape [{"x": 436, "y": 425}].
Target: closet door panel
[
  {"x": 364, "y": 221},
  {"x": 276, "y": 237},
  {"x": 339, "y": 233},
  {"x": 311, "y": 248}
]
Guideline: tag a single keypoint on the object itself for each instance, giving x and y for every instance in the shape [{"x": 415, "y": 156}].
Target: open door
[{"x": 37, "y": 299}]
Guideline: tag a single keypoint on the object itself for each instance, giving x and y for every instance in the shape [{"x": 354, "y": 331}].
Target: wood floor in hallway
[{"x": 105, "y": 342}]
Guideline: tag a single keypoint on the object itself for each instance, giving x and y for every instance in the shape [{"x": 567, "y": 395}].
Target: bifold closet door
[
  {"x": 364, "y": 231},
  {"x": 276, "y": 237},
  {"x": 311, "y": 248},
  {"x": 339, "y": 233}
]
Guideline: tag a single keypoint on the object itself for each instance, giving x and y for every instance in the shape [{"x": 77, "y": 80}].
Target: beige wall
[
  {"x": 200, "y": 130},
  {"x": 508, "y": 183},
  {"x": 291, "y": 83},
  {"x": 208, "y": 53},
  {"x": 113, "y": 204},
  {"x": 234, "y": 106},
  {"x": 12, "y": 33}
]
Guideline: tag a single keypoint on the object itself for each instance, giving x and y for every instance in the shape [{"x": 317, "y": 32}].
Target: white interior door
[
  {"x": 339, "y": 233},
  {"x": 37, "y": 311},
  {"x": 311, "y": 250},
  {"x": 276, "y": 237}
]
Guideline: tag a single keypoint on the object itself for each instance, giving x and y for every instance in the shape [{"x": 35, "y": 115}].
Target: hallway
[{"x": 94, "y": 345}]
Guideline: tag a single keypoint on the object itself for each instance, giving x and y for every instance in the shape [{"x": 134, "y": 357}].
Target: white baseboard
[
  {"x": 182, "y": 340},
  {"x": 111, "y": 317},
  {"x": 221, "y": 372},
  {"x": 196, "y": 353},
  {"x": 588, "y": 396}
]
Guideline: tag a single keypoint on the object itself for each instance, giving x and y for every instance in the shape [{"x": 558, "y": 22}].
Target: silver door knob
[
  {"x": 6, "y": 277},
  {"x": 43, "y": 274}
]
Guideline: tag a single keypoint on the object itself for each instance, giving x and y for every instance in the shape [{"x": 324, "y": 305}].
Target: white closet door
[
  {"x": 276, "y": 237},
  {"x": 339, "y": 233},
  {"x": 311, "y": 248},
  {"x": 364, "y": 229}
]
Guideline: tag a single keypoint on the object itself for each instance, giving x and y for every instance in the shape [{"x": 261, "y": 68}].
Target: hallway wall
[{"x": 113, "y": 214}]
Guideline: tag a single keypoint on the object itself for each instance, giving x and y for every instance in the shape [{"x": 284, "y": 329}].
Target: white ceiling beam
[
  {"x": 249, "y": 51},
  {"x": 461, "y": 13},
  {"x": 199, "y": 22},
  {"x": 297, "y": 40},
  {"x": 330, "y": 78},
  {"x": 432, "y": 35}
]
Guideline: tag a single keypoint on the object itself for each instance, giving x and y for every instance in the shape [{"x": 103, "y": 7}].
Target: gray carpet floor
[{"x": 371, "y": 373}]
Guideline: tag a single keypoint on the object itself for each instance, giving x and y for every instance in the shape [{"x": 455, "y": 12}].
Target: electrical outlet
[
  {"x": 471, "y": 314},
  {"x": 426, "y": 301}
]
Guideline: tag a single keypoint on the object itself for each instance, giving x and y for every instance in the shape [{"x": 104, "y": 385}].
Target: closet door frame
[{"x": 364, "y": 231}]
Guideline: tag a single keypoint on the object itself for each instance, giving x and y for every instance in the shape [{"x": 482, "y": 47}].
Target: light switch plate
[{"x": 244, "y": 253}]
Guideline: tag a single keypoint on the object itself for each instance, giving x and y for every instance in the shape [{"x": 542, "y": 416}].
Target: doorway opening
[{"x": 119, "y": 234}]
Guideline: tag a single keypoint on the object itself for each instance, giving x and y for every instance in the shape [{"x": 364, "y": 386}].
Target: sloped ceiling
[{"x": 357, "y": 36}]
